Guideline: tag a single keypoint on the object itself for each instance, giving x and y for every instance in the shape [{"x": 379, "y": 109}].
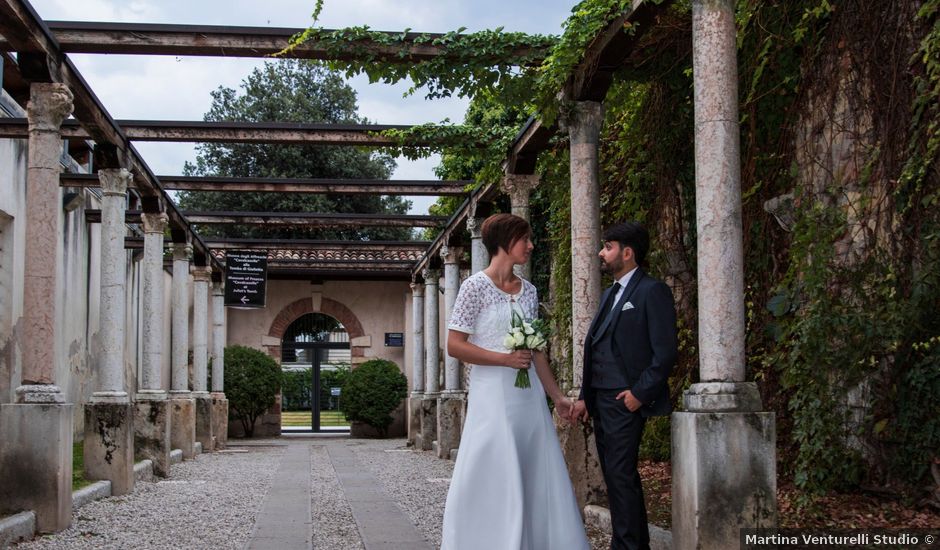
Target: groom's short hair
[
  {"x": 502, "y": 231},
  {"x": 630, "y": 234}
]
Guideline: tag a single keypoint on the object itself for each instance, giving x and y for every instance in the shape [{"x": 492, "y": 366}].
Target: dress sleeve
[
  {"x": 467, "y": 307},
  {"x": 531, "y": 301}
]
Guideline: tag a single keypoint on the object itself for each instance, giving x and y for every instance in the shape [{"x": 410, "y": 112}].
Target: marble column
[
  {"x": 183, "y": 414},
  {"x": 584, "y": 126},
  {"x": 432, "y": 365},
  {"x": 479, "y": 257},
  {"x": 219, "y": 401},
  {"x": 417, "y": 364},
  {"x": 724, "y": 453},
  {"x": 36, "y": 430},
  {"x": 202, "y": 277},
  {"x": 450, "y": 404},
  {"x": 152, "y": 414},
  {"x": 109, "y": 418},
  {"x": 519, "y": 187}
]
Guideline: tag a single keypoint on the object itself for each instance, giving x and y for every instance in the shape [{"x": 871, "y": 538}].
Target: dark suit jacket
[{"x": 644, "y": 342}]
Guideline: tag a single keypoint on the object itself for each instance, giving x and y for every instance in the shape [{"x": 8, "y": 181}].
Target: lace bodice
[{"x": 485, "y": 312}]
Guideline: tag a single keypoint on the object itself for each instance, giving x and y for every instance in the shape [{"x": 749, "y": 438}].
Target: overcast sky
[{"x": 172, "y": 88}]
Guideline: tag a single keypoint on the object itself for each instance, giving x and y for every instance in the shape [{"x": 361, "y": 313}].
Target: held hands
[
  {"x": 563, "y": 407},
  {"x": 578, "y": 413},
  {"x": 518, "y": 359}
]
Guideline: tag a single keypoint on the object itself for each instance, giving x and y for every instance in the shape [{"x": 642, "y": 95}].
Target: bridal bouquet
[{"x": 525, "y": 335}]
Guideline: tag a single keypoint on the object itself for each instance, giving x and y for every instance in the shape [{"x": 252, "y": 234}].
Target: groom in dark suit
[{"x": 629, "y": 352}]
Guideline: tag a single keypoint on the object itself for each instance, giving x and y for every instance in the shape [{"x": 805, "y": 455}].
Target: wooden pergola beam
[
  {"x": 291, "y": 219},
  {"x": 296, "y": 244},
  {"x": 40, "y": 59},
  {"x": 291, "y": 185},
  {"x": 225, "y": 41},
  {"x": 234, "y": 132}
]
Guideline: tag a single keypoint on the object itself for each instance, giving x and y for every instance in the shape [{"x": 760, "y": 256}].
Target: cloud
[{"x": 170, "y": 88}]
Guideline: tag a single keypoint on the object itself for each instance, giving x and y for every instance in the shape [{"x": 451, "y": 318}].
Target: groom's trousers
[{"x": 618, "y": 432}]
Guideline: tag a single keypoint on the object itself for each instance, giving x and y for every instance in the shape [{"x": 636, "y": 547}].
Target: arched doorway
[{"x": 315, "y": 358}]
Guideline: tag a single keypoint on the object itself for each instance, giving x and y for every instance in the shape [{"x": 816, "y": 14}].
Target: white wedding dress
[{"x": 510, "y": 489}]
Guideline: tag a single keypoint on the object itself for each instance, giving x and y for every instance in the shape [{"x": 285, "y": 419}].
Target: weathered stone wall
[{"x": 77, "y": 293}]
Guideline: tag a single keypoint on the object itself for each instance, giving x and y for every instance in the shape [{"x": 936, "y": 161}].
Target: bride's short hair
[{"x": 502, "y": 231}]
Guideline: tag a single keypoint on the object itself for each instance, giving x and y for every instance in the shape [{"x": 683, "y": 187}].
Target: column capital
[
  {"x": 49, "y": 104},
  {"x": 155, "y": 222},
  {"x": 451, "y": 254},
  {"x": 182, "y": 251},
  {"x": 475, "y": 227},
  {"x": 417, "y": 289},
  {"x": 431, "y": 276},
  {"x": 519, "y": 186},
  {"x": 114, "y": 181},
  {"x": 202, "y": 274},
  {"x": 583, "y": 121}
]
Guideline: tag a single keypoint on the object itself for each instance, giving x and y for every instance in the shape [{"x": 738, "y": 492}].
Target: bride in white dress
[{"x": 510, "y": 489}]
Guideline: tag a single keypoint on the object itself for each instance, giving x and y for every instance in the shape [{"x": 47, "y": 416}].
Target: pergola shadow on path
[{"x": 42, "y": 74}]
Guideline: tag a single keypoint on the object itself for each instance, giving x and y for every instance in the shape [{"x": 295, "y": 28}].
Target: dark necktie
[{"x": 606, "y": 311}]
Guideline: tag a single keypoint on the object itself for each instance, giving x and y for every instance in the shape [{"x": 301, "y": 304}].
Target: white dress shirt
[{"x": 623, "y": 285}]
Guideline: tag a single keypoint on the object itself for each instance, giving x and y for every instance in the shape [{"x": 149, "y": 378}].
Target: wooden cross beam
[
  {"x": 225, "y": 41},
  {"x": 291, "y": 219},
  {"x": 236, "y": 132},
  {"x": 291, "y": 185},
  {"x": 296, "y": 244}
]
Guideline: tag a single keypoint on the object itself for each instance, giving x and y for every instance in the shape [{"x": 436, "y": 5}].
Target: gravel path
[
  {"x": 333, "y": 524},
  {"x": 209, "y": 502},
  {"x": 418, "y": 480},
  {"x": 212, "y": 502}
]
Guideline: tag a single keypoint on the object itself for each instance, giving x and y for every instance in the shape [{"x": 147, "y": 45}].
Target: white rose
[
  {"x": 528, "y": 328},
  {"x": 518, "y": 339},
  {"x": 516, "y": 330},
  {"x": 509, "y": 342},
  {"x": 535, "y": 342}
]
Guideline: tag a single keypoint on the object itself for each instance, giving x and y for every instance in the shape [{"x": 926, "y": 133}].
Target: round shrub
[
  {"x": 372, "y": 391},
  {"x": 252, "y": 380}
]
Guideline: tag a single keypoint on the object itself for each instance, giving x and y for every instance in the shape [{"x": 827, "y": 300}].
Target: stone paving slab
[
  {"x": 382, "y": 524},
  {"x": 285, "y": 518}
]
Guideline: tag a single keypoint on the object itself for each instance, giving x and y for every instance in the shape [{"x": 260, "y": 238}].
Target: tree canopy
[{"x": 291, "y": 91}]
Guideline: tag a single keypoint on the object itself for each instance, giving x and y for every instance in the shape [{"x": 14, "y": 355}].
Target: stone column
[
  {"x": 479, "y": 257},
  {"x": 202, "y": 276},
  {"x": 519, "y": 187},
  {"x": 724, "y": 454},
  {"x": 109, "y": 426},
  {"x": 583, "y": 125},
  {"x": 432, "y": 385},
  {"x": 36, "y": 430},
  {"x": 152, "y": 415},
  {"x": 219, "y": 401},
  {"x": 417, "y": 367},
  {"x": 450, "y": 404},
  {"x": 183, "y": 414}
]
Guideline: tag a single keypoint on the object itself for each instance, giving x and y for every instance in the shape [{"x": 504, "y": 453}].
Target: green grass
[
  {"x": 78, "y": 466},
  {"x": 302, "y": 419}
]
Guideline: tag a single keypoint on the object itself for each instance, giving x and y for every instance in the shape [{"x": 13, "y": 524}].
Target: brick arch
[{"x": 301, "y": 307}]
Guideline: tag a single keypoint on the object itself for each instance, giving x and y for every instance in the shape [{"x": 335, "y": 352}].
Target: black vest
[{"x": 606, "y": 372}]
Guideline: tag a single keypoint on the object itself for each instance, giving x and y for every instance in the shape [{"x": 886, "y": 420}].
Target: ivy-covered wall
[{"x": 839, "y": 119}]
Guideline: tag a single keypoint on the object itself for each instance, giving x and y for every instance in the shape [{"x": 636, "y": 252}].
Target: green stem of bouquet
[{"x": 522, "y": 379}]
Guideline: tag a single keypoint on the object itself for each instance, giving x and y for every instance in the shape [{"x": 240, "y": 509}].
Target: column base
[
  {"x": 152, "y": 433},
  {"x": 204, "y": 434},
  {"x": 449, "y": 409},
  {"x": 414, "y": 419},
  {"x": 183, "y": 423},
  {"x": 219, "y": 420},
  {"x": 580, "y": 451},
  {"x": 428, "y": 421},
  {"x": 724, "y": 476},
  {"x": 109, "y": 445},
  {"x": 36, "y": 462}
]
